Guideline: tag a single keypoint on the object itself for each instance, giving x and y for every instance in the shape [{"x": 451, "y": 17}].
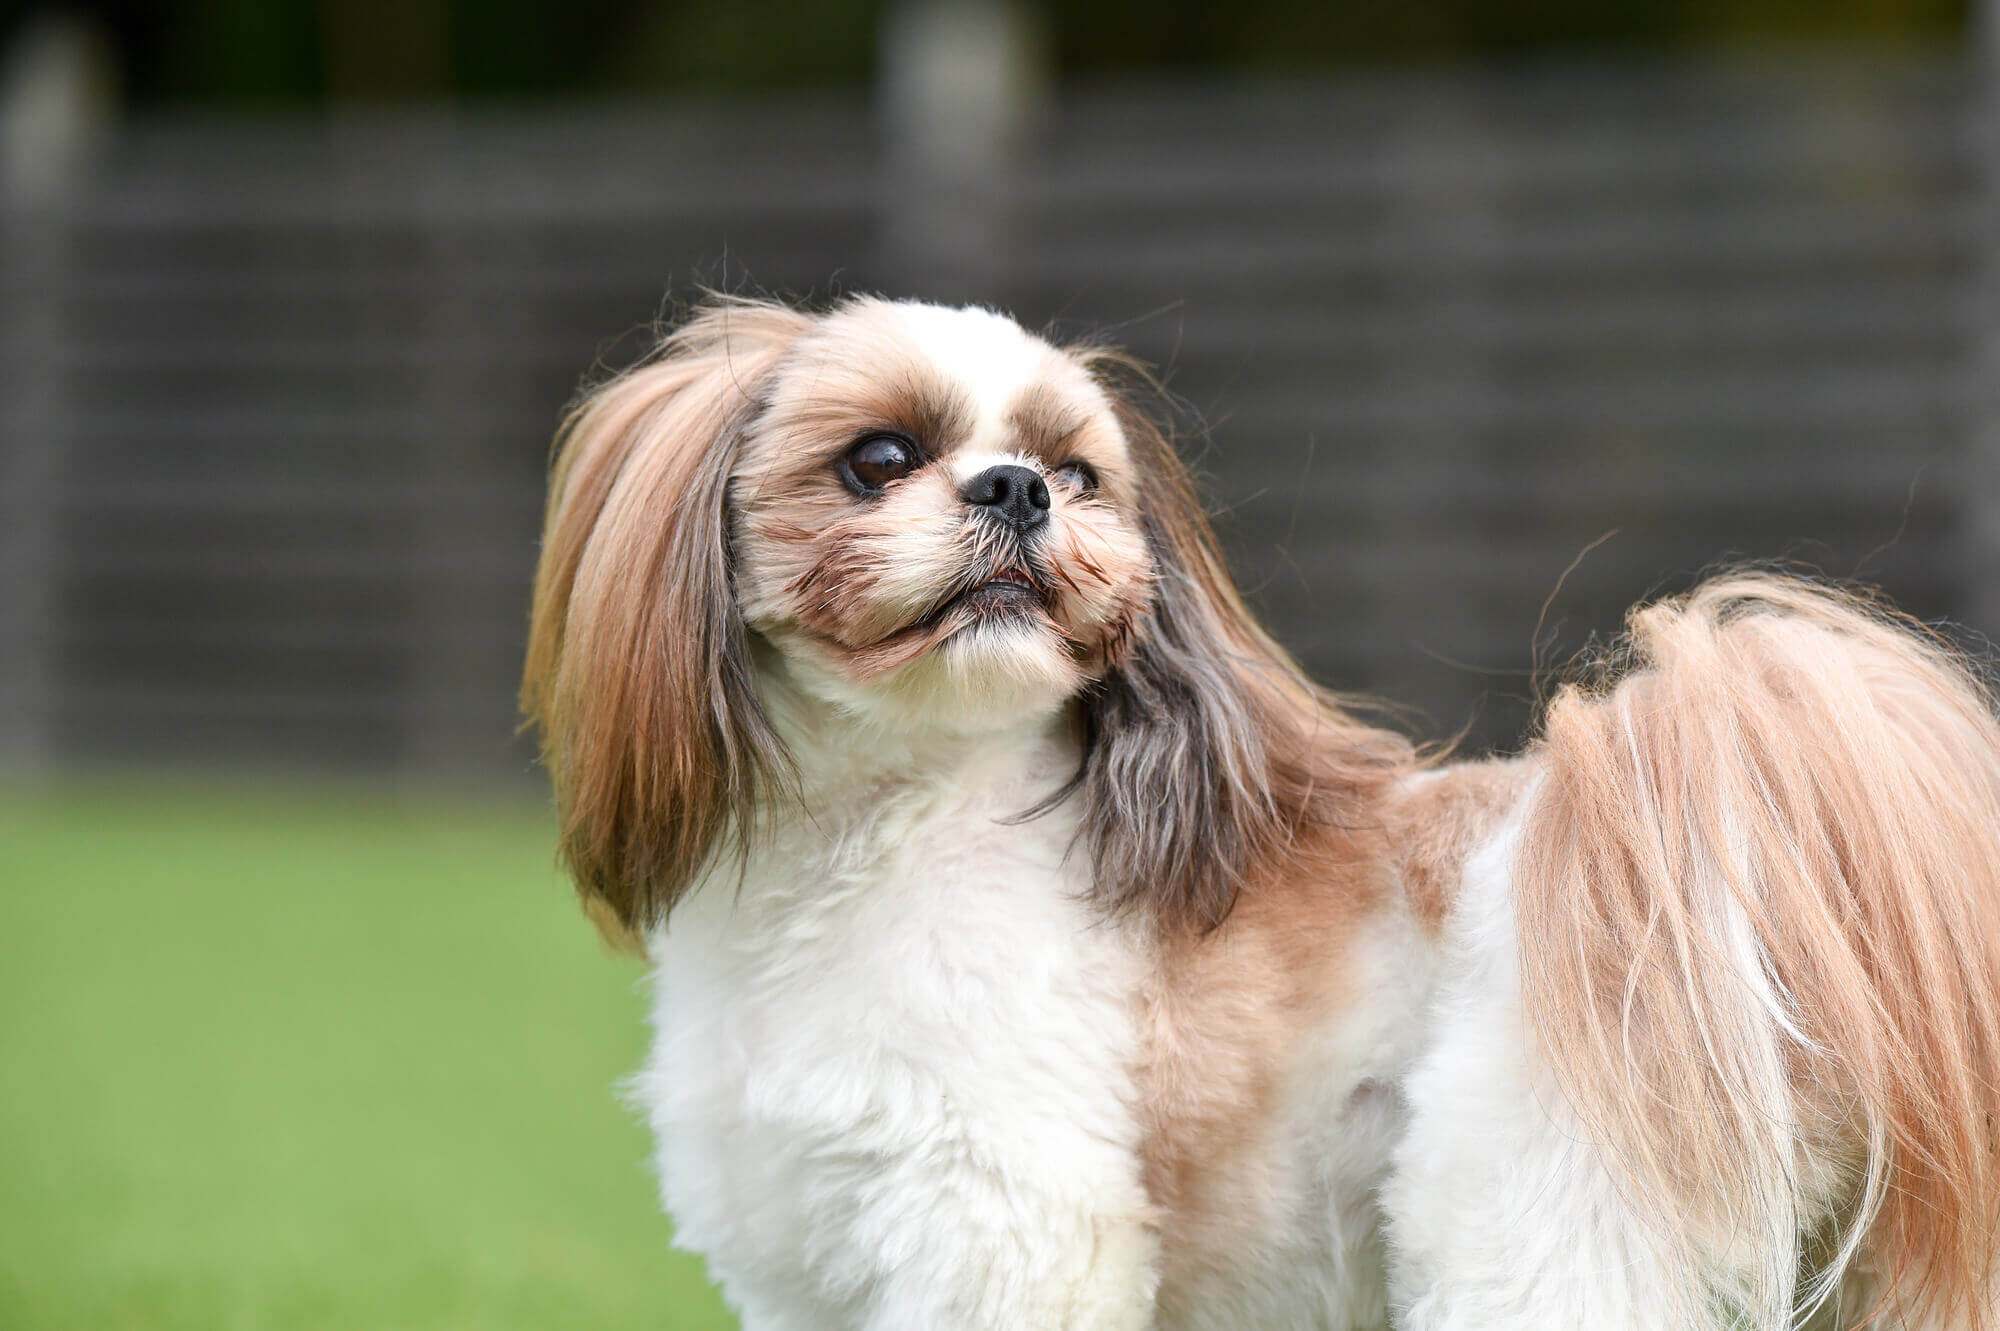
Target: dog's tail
[{"x": 1759, "y": 894}]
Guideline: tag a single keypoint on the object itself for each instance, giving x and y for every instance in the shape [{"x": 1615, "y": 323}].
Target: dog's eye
[
  {"x": 877, "y": 460},
  {"x": 1078, "y": 473}
]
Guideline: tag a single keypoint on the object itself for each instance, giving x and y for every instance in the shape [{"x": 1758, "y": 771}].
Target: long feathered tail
[{"x": 1760, "y": 901}]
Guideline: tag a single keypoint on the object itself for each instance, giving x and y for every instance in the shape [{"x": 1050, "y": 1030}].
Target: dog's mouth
[
  {"x": 1007, "y": 598},
  {"x": 1007, "y": 589}
]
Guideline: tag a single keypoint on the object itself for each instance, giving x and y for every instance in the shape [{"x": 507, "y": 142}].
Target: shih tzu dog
[{"x": 1035, "y": 947}]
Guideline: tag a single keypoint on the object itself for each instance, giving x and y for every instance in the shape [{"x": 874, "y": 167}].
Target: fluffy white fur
[
  {"x": 892, "y": 1084},
  {"x": 920, "y": 1062}
]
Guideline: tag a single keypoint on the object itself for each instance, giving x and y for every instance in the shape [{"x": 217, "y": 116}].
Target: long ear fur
[
  {"x": 638, "y": 674},
  {"x": 1211, "y": 757},
  {"x": 1760, "y": 897}
]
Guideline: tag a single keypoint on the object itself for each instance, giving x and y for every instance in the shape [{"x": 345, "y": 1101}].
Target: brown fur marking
[
  {"x": 1225, "y": 1024},
  {"x": 898, "y": 393},
  {"x": 1440, "y": 820},
  {"x": 1046, "y": 424}
]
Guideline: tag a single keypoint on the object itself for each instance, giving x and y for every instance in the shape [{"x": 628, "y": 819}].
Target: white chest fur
[{"x": 892, "y": 1080}]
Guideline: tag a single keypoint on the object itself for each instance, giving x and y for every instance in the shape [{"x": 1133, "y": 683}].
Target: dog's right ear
[{"x": 638, "y": 675}]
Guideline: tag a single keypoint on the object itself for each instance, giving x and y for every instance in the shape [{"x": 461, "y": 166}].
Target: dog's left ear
[
  {"x": 1209, "y": 752},
  {"x": 638, "y": 672}
]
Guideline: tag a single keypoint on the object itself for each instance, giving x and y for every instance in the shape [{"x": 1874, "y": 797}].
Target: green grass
[{"x": 288, "y": 1061}]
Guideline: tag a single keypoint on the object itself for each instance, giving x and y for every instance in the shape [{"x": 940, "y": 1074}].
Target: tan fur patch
[
  {"x": 1046, "y": 424},
  {"x": 897, "y": 394},
  {"x": 1440, "y": 819},
  {"x": 1225, "y": 1023}
]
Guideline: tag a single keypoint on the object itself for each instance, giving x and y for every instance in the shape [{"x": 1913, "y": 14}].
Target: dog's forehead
[
  {"x": 958, "y": 380},
  {"x": 986, "y": 355}
]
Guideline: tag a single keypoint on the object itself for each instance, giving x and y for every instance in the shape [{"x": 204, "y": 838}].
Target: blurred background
[{"x": 1485, "y": 320}]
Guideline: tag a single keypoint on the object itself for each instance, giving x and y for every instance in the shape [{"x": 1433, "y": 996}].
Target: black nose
[{"x": 1015, "y": 495}]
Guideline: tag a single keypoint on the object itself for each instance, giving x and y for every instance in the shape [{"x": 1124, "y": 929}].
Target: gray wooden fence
[{"x": 277, "y": 396}]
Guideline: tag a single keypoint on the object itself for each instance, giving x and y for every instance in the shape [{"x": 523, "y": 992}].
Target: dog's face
[
  {"x": 932, "y": 516},
  {"x": 928, "y": 519}
]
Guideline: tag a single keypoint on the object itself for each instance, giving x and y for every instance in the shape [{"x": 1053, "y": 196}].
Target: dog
[{"x": 1034, "y": 946}]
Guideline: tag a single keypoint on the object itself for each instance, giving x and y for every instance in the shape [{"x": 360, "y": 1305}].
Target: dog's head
[
  {"x": 934, "y": 518},
  {"x": 930, "y": 520}
]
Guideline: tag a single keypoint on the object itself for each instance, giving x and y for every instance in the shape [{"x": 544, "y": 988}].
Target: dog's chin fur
[
  {"x": 990, "y": 677},
  {"x": 993, "y": 678},
  {"x": 1056, "y": 955}
]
